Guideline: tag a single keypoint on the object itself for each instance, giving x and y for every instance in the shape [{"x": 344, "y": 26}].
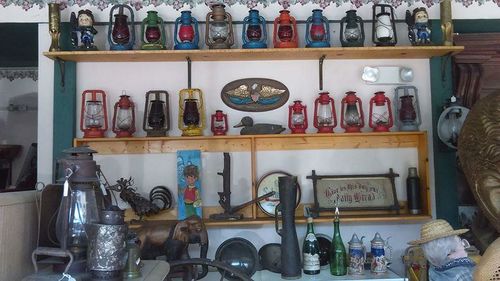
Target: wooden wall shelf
[
  {"x": 141, "y": 145},
  {"x": 283, "y": 142},
  {"x": 396, "y": 52}
]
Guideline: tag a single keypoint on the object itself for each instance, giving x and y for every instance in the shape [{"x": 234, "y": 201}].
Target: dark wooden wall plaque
[{"x": 255, "y": 94}]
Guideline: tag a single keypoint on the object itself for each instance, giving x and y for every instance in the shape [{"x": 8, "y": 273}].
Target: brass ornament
[
  {"x": 446, "y": 22},
  {"x": 54, "y": 26}
]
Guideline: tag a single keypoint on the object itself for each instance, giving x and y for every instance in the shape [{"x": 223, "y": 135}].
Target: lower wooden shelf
[
  {"x": 300, "y": 220},
  {"x": 170, "y": 216}
]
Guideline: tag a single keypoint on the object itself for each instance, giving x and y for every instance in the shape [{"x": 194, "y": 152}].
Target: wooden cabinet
[{"x": 286, "y": 142}]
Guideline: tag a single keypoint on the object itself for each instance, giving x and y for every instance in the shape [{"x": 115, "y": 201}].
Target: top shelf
[{"x": 396, "y": 52}]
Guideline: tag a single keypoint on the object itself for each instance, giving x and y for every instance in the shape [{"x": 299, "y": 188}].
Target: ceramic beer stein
[
  {"x": 357, "y": 255},
  {"x": 380, "y": 260}
]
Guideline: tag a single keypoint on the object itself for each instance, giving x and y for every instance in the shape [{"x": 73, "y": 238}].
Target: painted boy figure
[
  {"x": 191, "y": 195},
  {"x": 85, "y": 25},
  {"x": 419, "y": 32}
]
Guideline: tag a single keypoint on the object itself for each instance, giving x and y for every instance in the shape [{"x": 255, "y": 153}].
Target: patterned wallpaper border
[
  {"x": 180, "y": 4},
  {"x": 19, "y": 73}
]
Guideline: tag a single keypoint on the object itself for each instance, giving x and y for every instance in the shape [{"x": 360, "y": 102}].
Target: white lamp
[{"x": 450, "y": 123}]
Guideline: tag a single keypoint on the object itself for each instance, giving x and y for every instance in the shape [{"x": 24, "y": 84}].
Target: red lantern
[
  {"x": 325, "y": 117},
  {"x": 124, "y": 117},
  {"x": 94, "y": 116},
  {"x": 285, "y": 31},
  {"x": 297, "y": 117},
  {"x": 352, "y": 118},
  {"x": 219, "y": 123},
  {"x": 380, "y": 119}
]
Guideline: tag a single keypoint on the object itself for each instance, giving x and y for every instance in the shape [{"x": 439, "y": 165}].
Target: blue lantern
[
  {"x": 254, "y": 34},
  {"x": 317, "y": 30},
  {"x": 186, "y": 36},
  {"x": 121, "y": 34}
]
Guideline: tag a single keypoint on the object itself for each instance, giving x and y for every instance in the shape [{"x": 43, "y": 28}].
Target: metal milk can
[
  {"x": 357, "y": 255},
  {"x": 379, "y": 249}
]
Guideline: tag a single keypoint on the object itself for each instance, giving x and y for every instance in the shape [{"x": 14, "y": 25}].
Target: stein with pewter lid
[
  {"x": 357, "y": 255},
  {"x": 379, "y": 258}
]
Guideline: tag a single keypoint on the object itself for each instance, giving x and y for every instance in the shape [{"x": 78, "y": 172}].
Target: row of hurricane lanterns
[
  {"x": 156, "y": 121},
  {"x": 219, "y": 30}
]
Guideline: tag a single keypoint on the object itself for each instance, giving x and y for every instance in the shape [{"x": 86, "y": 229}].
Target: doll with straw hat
[{"x": 445, "y": 251}]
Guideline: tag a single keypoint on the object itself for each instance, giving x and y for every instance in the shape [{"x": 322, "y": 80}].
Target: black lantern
[
  {"x": 156, "y": 120},
  {"x": 383, "y": 28},
  {"x": 352, "y": 32}
]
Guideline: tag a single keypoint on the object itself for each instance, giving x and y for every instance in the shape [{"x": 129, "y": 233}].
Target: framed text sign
[{"x": 354, "y": 192}]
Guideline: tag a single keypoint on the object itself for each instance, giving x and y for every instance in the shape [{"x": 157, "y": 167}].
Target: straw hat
[
  {"x": 488, "y": 267},
  {"x": 436, "y": 229}
]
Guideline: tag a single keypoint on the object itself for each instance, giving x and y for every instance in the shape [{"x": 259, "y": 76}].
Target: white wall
[{"x": 18, "y": 127}]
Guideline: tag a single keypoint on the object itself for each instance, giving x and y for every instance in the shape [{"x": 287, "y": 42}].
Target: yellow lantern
[{"x": 191, "y": 112}]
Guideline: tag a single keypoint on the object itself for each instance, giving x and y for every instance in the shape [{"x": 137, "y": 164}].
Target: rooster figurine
[{"x": 160, "y": 198}]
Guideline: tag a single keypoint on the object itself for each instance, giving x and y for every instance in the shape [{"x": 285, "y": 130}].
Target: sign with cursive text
[{"x": 355, "y": 192}]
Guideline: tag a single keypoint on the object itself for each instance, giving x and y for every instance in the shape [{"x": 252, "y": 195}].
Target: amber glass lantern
[
  {"x": 94, "y": 117},
  {"x": 191, "y": 112},
  {"x": 380, "y": 119},
  {"x": 124, "y": 117},
  {"x": 352, "y": 118},
  {"x": 156, "y": 120}
]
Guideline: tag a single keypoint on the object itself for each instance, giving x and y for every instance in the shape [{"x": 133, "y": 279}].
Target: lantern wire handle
[
  {"x": 321, "y": 59},
  {"x": 188, "y": 59}
]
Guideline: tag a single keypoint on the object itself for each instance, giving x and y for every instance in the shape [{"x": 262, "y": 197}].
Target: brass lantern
[
  {"x": 219, "y": 28},
  {"x": 191, "y": 112},
  {"x": 156, "y": 120}
]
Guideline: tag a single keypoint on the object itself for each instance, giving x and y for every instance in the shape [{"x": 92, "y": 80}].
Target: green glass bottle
[
  {"x": 338, "y": 259},
  {"x": 310, "y": 250}
]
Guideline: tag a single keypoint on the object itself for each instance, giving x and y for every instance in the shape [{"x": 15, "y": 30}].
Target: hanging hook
[
  {"x": 321, "y": 59},
  {"x": 444, "y": 65},
  {"x": 188, "y": 59},
  {"x": 61, "y": 70}
]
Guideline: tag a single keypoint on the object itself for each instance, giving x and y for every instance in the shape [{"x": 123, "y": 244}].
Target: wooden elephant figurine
[{"x": 173, "y": 241}]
